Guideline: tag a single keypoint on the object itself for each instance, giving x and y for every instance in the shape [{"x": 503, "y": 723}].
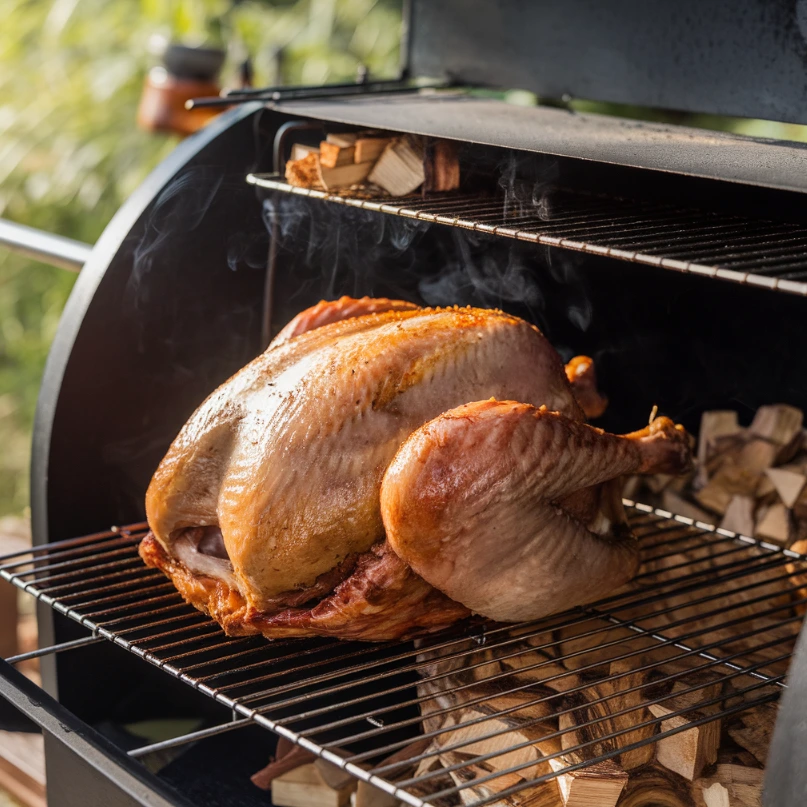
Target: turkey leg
[{"x": 474, "y": 502}]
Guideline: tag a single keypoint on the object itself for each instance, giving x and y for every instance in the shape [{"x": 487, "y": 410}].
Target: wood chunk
[
  {"x": 713, "y": 425},
  {"x": 739, "y": 515},
  {"x": 499, "y": 744},
  {"x": 344, "y": 176},
  {"x": 369, "y": 149},
  {"x": 729, "y": 480},
  {"x": 654, "y": 786},
  {"x": 599, "y": 784},
  {"x": 443, "y": 167},
  {"x": 331, "y": 155},
  {"x": 757, "y": 455},
  {"x": 310, "y": 173},
  {"x": 754, "y": 730},
  {"x": 678, "y": 505},
  {"x": 732, "y": 786},
  {"x": 342, "y": 139},
  {"x": 304, "y": 787},
  {"x": 788, "y": 483},
  {"x": 399, "y": 170},
  {"x": 775, "y": 524},
  {"x": 369, "y": 796},
  {"x": 333, "y": 775},
  {"x": 779, "y": 423},
  {"x": 299, "y": 151},
  {"x": 305, "y": 172},
  {"x": 688, "y": 752}
]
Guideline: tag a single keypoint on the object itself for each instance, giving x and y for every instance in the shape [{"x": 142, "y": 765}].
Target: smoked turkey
[{"x": 384, "y": 470}]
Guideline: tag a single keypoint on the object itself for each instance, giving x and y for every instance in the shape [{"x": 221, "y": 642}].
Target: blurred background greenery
[{"x": 71, "y": 73}]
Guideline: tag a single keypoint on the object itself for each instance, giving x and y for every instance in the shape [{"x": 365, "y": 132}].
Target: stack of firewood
[
  {"x": 538, "y": 706},
  {"x": 752, "y": 480},
  {"x": 383, "y": 164}
]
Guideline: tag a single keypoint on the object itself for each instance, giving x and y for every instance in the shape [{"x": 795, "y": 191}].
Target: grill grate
[
  {"x": 705, "y": 631},
  {"x": 740, "y": 249}
]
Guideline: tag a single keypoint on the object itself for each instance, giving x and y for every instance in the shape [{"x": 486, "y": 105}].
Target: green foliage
[{"x": 71, "y": 73}]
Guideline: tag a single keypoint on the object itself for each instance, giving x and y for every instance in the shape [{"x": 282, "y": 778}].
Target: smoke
[{"x": 179, "y": 209}]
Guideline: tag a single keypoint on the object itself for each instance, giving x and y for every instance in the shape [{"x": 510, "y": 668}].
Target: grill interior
[
  {"x": 712, "y": 617},
  {"x": 728, "y": 246}
]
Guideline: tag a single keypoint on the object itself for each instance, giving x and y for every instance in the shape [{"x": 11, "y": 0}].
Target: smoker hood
[{"x": 547, "y": 130}]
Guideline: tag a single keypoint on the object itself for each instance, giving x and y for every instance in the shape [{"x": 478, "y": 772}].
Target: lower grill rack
[{"x": 483, "y": 712}]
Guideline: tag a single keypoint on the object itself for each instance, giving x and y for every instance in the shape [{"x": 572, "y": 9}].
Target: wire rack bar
[
  {"x": 736, "y": 248},
  {"x": 709, "y": 608}
]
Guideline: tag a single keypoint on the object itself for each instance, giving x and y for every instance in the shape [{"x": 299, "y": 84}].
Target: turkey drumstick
[{"x": 489, "y": 501}]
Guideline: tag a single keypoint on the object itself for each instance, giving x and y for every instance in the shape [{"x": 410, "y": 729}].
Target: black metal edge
[
  {"x": 662, "y": 148},
  {"x": 104, "y": 757},
  {"x": 102, "y": 255}
]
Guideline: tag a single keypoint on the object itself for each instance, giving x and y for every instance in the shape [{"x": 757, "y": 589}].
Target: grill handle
[{"x": 56, "y": 250}]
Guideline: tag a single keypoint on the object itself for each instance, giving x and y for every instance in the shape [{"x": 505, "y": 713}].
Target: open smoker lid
[{"x": 727, "y": 57}]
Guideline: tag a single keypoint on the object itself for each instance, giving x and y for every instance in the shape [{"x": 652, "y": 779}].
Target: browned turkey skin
[{"x": 383, "y": 471}]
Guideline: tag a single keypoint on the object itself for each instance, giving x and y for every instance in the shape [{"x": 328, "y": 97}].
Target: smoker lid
[
  {"x": 727, "y": 57},
  {"x": 675, "y": 149}
]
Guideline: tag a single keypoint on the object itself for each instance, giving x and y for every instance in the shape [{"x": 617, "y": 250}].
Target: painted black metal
[
  {"x": 84, "y": 769},
  {"x": 138, "y": 346},
  {"x": 727, "y": 57},
  {"x": 604, "y": 139}
]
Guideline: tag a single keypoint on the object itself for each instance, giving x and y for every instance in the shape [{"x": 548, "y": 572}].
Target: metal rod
[
  {"x": 191, "y": 737},
  {"x": 54, "y": 648},
  {"x": 56, "y": 250}
]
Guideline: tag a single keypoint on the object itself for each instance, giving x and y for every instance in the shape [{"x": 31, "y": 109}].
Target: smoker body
[{"x": 176, "y": 296}]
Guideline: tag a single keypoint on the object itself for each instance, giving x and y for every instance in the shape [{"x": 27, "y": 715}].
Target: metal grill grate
[
  {"x": 740, "y": 249},
  {"x": 705, "y": 631}
]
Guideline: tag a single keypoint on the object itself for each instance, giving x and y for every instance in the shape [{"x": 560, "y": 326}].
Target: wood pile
[
  {"x": 552, "y": 713},
  {"x": 750, "y": 480},
  {"x": 384, "y": 164}
]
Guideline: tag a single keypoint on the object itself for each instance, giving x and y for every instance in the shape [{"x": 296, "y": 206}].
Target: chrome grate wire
[
  {"x": 705, "y": 630},
  {"x": 737, "y": 248}
]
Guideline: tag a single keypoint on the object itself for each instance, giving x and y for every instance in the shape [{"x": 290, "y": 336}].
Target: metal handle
[{"x": 56, "y": 250}]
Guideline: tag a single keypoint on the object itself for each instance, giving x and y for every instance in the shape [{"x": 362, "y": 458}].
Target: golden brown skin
[
  {"x": 286, "y": 458},
  {"x": 511, "y": 509},
  {"x": 266, "y": 510}
]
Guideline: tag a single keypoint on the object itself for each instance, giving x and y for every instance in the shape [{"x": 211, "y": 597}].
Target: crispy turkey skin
[{"x": 268, "y": 510}]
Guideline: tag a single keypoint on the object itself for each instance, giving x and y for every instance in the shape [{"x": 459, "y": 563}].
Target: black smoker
[{"x": 676, "y": 257}]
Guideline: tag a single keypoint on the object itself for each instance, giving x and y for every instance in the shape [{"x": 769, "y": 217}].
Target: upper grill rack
[
  {"x": 737, "y": 248},
  {"x": 705, "y": 631}
]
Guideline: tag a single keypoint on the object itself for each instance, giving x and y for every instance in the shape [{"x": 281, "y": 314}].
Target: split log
[
  {"x": 342, "y": 139},
  {"x": 713, "y": 425},
  {"x": 688, "y": 752},
  {"x": 788, "y": 484},
  {"x": 369, "y": 796},
  {"x": 369, "y": 149},
  {"x": 305, "y": 787},
  {"x": 753, "y": 730},
  {"x": 730, "y": 786},
  {"x": 331, "y": 155},
  {"x": 774, "y": 524},
  {"x": 288, "y": 757},
  {"x": 655, "y": 786},
  {"x": 600, "y": 784},
  {"x": 442, "y": 167},
  {"x": 399, "y": 170},
  {"x": 300, "y": 151},
  {"x": 310, "y": 173},
  {"x": 778, "y": 423},
  {"x": 739, "y": 515}
]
